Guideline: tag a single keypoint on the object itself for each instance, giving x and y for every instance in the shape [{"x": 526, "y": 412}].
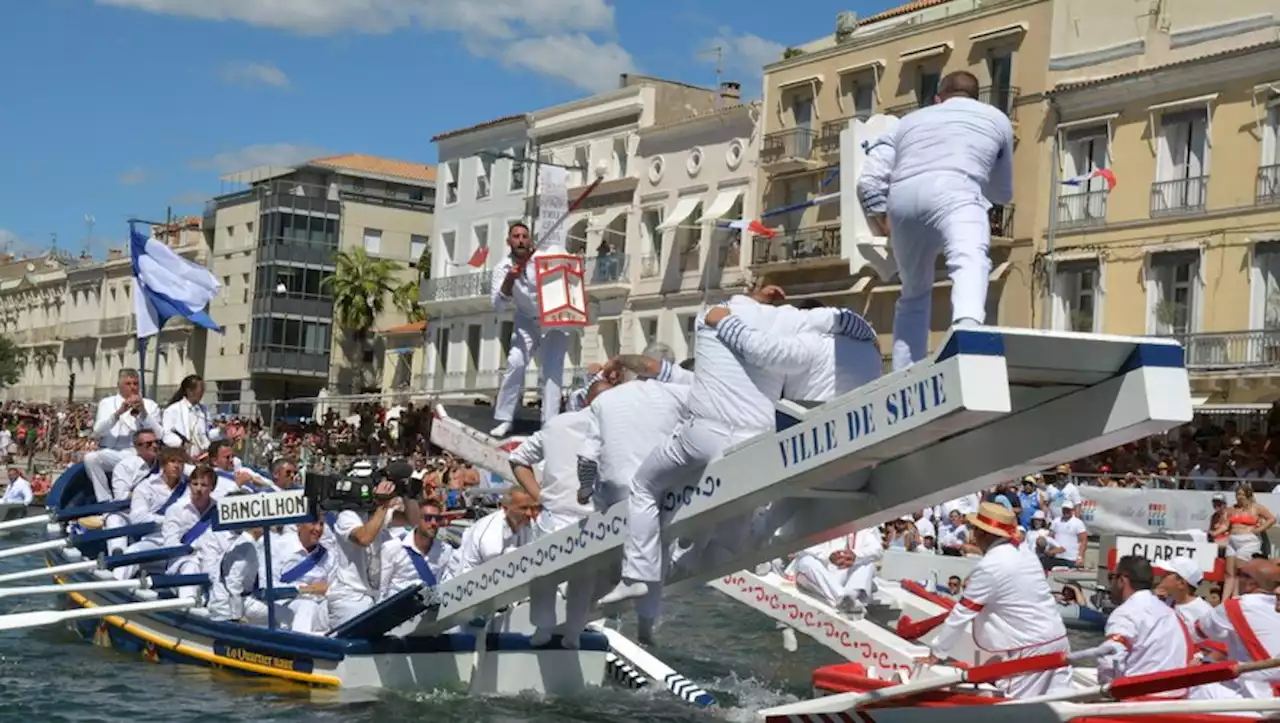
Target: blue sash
[
  {"x": 224, "y": 474},
  {"x": 201, "y": 526},
  {"x": 307, "y": 564},
  {"x": 177, "y": 494},
  {"x": 420, "y": 564}
]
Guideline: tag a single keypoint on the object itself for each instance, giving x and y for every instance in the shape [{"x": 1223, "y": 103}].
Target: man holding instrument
[
  {"x": 119, "y": 417},
  {"x": 515, "y": 284},
  {"x": 1008, "y": 601}
]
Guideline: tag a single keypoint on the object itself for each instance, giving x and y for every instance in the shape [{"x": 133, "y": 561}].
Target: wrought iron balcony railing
[
  {"x": 1268, "y": 184},
  {"x": 1082, "y": 209},
  {"x": 1254, "y": 349},
  {"x": 460, "y": 286},
  {"x": 816, "y": 242},
  {"x": 1180, "y": 196},
  {"x": 795, "y": 143}
]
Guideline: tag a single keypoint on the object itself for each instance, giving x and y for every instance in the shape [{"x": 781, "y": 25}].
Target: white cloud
[
  {"x": 253, "y": 75},
  {"x": 492, "y": 29},
  {"x": 265, "y": 154},
  {"x": 744, "y": 52},
  {"x": 190, "y": 198},
  {"x": 133, "y": 176}
]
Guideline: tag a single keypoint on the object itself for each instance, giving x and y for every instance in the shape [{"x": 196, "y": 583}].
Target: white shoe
[
  {"x": 789, "y": 640},
  {"x": 540, "y": 638},
  {"x": 501, "y": 430},
  {"x": 625, "y": 591},
  {"x": 571, "y": 642}
]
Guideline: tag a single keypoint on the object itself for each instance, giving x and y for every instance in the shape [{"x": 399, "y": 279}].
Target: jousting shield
[{"x": 562, "y": 292}]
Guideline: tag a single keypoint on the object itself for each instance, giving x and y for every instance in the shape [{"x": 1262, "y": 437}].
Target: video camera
[{"x": 354, "y": 490}]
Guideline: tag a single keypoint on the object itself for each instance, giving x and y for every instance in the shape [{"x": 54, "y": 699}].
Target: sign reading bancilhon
[{"x": 271, "y": 508}]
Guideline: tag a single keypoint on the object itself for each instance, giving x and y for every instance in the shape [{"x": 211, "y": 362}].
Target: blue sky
[{"x": 116, "y": 108}]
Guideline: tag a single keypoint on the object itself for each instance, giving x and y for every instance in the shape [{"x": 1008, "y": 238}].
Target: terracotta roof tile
[
  {"x": 901, "y": 10},
  {"x": 416, "y": 327},
  {"x": 382, "y": 166},
  {"x": 478, "y": 126}
]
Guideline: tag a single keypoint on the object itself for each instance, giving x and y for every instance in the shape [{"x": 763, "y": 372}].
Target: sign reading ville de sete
[
  {"x": 866, "y": 423},
  {"x": 271, "y": 508}
]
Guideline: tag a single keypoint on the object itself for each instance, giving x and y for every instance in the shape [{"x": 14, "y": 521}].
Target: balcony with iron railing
[
  {"x": 791, "y": 149},
  {"x": 606, "y": 269},
  {"x": 1230, "y": 352},
  {"x": 1002, "y": 97},
  {"x": 1077, "y": 210},
  {"x": 117, "y": 325},
  {"x": 456, "y": 287},
  {"x": 805, "y": 244},
  {"x": 1268, "y": 189},
  {"x": 1179, "y": 197},
  {"x": 828, "y": 141},
  {"x": 1001, "y": 220},
  {"x": 650, "y": 266}
]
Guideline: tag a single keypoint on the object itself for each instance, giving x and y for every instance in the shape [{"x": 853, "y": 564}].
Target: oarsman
[
  {"x": 131, "y": 471},
  {"x": 497, "y": 533},
  {"x": 556, "y": 448},
  {"x": 302, "y": 562},
  {"x": 190, "y": 523},
  {"x": 151, "y": 501},
  {"x": 1249, "y": 625},
  {"x": 120, "y": 416},
  {"x": 1181, "y": 579},
  {"x": 232, "y": 592},
  {"x": 1009, "y": 604},
  {"x": 419, "y": 557},
  {"x": 515, "y": 284},
  {"x": 232, "y": 477},
  {"x": 1143, "y": 634},
  {"x": 355, "y": 540}
]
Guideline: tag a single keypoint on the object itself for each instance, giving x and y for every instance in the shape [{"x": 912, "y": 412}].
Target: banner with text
[
  {"x": 550, "y": 230},
  {"x": 1145, "y": 511}
]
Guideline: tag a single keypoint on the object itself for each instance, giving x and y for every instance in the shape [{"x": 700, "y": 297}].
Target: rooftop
[
  {"x": 360, "y": 163},
  {"x": 478, "y": 127},
  {"x": 1072, "y": 86}
]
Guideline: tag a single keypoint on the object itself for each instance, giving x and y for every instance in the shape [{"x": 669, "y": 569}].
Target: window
[
  {"x": 1182, "y": 163},
  {"x": 1083, "y": 152},
  {"x": 442, "y": 349},
  {"x": 1266, "y": 287},
  {"x": 620, "y": 159},
  {"x": 648, "y": 330},
  {"x": 451, "y": 183},
  {"x": 651, "y": 242},
  {"x": 1269, "y": 166},
  {"x": 299, "y": 229},
  {"x": 687, "y": 324},
  {"x": 480, "y": 236},
  {"x": 927, "y": 89},
  {"x": 582, "y": 166},
  {"x": 1076, "y": 295},
  {"x": 291, "y": 335},
  {"x": 610, "y": 344},
  {"x": 372, "y": 241},
  {"x": 517, "y": 168},
  {"x": 417, "y": 248},
  {"x": 484, "y": 168},
  {"x": 689, "y": 241},
  {"x": 1001, "y": 92},
  {"x": 864, "y": 99},
  {"x": 1173, "y": 281}
]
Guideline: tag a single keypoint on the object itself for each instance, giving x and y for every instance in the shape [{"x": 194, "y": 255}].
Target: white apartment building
[
  {"x": 602, "y": 130},
  {"x": 75, "y": 319},
  {"x": 696, "y": 173}
]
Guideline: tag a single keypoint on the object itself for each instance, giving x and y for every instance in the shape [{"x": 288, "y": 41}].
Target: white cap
[
  {"x": 1185, "y": 568},
  {"x": 1039, "y": 514},
  {"x": 1068, "y": 505}
]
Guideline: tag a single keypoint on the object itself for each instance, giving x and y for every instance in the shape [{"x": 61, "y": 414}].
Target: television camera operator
[{"x": 357, "y": 512}]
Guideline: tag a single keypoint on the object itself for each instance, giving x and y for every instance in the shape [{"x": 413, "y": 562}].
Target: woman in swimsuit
[{"x": 1244, "y": 524}]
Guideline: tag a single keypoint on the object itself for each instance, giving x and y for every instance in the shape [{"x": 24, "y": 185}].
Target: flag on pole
[
  {"x": 166, "y": 285},
  {"x": 1104, "y": 173}
]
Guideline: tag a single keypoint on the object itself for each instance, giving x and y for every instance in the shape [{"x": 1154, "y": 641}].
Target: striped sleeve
[
  {"x": 852, "y": 325},
  {"x": 588, "y": 472}
]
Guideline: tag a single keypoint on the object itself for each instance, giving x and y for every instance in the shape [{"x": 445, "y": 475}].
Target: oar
[
  {"x": 93, "y": 586},
  {"x": 34, "y": 548},
  {"x": 40, "y": 618},
  {"x": 1073, "y": 711},
  {"x": 1136, "y": 686},
  {"x": 655, "y": 669},
  {"x": 24, "y": 522},
  {"x": 845, "y": 702},
  {"x": 67, "y": 569}
]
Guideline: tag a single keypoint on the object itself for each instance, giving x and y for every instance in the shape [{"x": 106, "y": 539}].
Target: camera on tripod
[{"x": 355, "y": 489}]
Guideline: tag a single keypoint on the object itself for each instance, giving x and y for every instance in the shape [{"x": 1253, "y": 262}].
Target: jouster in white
[
  {"x": 119, "y": 417},
  {"x": 952, "y": 160},
  {"x": 301, "y": 561},
  {"x": 1010, "y": 606},
  {"x": 556, "y": 447},
  {"x": 231, "y": 592},
  {"x": 418, "y": 557},
  {"x": 185, "y": 423},
  {"x": 839, "y": 365},
  {"x": 739, "y": 372},
  {"x": 873, "y": 183},
  {"x": 190, "y": 523},
  {"x": 1144, "y": 635},
  {"x": 841, "y": 572},
  {"x": 496, "y": 534},
  {"x": 515, "y": 285}
]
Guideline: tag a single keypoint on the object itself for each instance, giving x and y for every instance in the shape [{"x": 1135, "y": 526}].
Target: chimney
[
  {"x": 731, "y": 91},
  {"x": 115, "y": 253},
  {"x": 6, "y": 258}
]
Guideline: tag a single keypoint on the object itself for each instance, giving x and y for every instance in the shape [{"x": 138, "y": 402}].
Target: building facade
[
  {"x": 892, "y": 63},
  {"x": 74, "y": 317},
  {"x": 273, "y": 246},
  {"x": 468, "y": 342},
  {"x": 696, "y": 174},
  {"x": 1179, "y": 247}
]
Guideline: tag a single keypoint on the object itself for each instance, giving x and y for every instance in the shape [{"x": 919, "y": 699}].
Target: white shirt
[
  {"x": 149, "y": 496},
  {"x": 951, "y": 535},
  {"x": 355, "y": 575},
  {"x": 238, "y": 576},
  {"x": 488, "y": 538},
  {"x": 289, "y": 552},
  {"x": 1262, "y": 625},
  {"x": 208, "y": 548},
  {"x": 628, "y": 422},
  {"x": 524, "y": 292},
  {"x": 19, "y": 492},
  {"x": 557, "y": 446},
  {"x": 399, "y": 572},
  {"x": 1148, "y": 637},
  {"x": 960, "y": 137},
  {"x": 967, "y": 505},
  {"x": 114, "y": 432},
  {"x": 186, "y": 421},
  {"x": 1059, "y": 494},
  {"x": 839, "y": 365},
  {"x": 1192, "y": 610},
  {"x": 128, "y": 473},
  {"x": 1066, "y": 534}
]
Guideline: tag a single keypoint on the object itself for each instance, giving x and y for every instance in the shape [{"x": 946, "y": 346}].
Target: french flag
[
  {"x": 1104, "y": 173},
  {"x": 754, "y": 227}
]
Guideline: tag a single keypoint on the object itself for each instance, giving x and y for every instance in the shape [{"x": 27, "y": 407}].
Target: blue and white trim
[{"x": 853, "y": 326}]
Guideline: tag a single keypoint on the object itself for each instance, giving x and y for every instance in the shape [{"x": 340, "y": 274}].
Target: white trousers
[
  {"x": 308, "y": 614},
  {"x": 98, "y": 465},
  {"x": 939, "y": 213},
  {"x": 1034, "y": 684},
  {"x": 344, "y": 605},
  {"x": 579, "y": 592},
  {"x": 113, "y": 521},
  {"x": 187, "y": 565},
  {"x": 248, "y": 608},
  {"x": 817, "y": 578},
  {"x": 150, "y": 542},
  {"x": 685, "y": 453},
  {"x": 527, "y": 337}
]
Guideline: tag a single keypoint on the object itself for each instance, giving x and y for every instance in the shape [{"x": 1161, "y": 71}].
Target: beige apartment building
[
  {"x": 75, "y": 319},
  {"x": 273, "y": 245},
  {"x": 1183, "y": 106},
  {"x": 892, "y": 63}
]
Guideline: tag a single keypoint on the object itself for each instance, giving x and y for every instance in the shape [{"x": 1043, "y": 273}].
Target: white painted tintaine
[{"x": 655, "y": 669}]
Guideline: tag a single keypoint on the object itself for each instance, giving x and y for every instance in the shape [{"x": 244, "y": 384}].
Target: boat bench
[
  {"x": 143, "y": 557},
  {"x": 131, "y": 531},
  {"x": 166, "y": 585},
  {"x": 98, "y": 508}
]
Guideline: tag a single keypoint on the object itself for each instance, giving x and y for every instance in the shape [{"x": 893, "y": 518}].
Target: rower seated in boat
[
  {"x": 120, "y": 416},
  {"x": 1178, "y": 587},
  {"x": 302, "y": 561},
  {"x": 151, "y": 501},
  {"x": 231, "y": 595},
  {"x": 1009, "y": 604},
  {"x": 1249, "y": 626},
  {"x": 419, "y": 557},
  {"x": 1144, "y": 635},
  {"x": 132, "y": 470},
  {"x": 18, "y": 492},
  {"x": 841, "y": 572},
  {"x": 190, "y": 523},
  {"x": 232, "y": 475},
  {"x": 496, "y": 533}
]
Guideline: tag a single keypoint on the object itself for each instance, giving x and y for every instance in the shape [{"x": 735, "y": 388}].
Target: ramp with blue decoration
[{"x": 991, "y": 405}]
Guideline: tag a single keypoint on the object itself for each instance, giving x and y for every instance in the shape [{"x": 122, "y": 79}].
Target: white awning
[
  {"x": 683, "y": 208},
  {"x": 1004, "y": 31},
  {"x": 724, "y": 201},
  {"x": 859, "y": 67},
  {"x": 1199, "y": 400},
  {"x": 806, "y": 80},
  {"x": 1096, "y": 120},
  {"x": 603, "y": 220},
  {"x": 1204, "y": 100},
  {"x": 929, "y": 51}
]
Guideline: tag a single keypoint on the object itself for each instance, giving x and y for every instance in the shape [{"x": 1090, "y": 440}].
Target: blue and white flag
[{"x": 166, "y": 285}]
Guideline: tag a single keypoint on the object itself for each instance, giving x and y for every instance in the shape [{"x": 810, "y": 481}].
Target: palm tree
[
  {"x": 360, "y": 287},
  {"x": 405, "y": 299}
]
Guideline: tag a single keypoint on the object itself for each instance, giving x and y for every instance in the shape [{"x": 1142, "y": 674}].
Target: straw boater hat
[{"x": 994, "y": 518}]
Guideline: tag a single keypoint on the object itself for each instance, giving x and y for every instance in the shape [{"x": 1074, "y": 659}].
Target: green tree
[
  {"x": 406, "y": 300},
  {"x": 361, "y": 286},
  {"x": 13, "y": 359}
]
